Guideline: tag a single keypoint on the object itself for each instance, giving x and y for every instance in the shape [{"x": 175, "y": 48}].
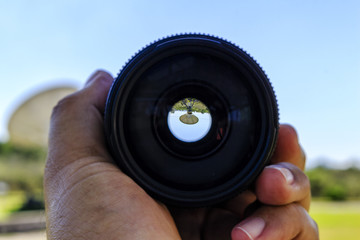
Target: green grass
[{"x": 337, "y": 220}]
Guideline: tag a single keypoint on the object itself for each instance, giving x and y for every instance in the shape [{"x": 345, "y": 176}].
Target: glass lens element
[{"x": 189, "y": 120}]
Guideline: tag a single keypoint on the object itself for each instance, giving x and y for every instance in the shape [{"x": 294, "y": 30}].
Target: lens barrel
[{"x": 229, "y": 88}]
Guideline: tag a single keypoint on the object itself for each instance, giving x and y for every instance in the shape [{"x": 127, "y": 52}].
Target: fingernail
[
  {"x": 289, "y": 177},
  {"x": 252, "y": 228}
]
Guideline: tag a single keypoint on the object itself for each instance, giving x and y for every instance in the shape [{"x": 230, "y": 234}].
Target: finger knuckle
[{"x": 64, "y": 105}]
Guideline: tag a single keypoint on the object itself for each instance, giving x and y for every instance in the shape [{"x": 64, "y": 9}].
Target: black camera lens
[{"x": 192, "y": 119}]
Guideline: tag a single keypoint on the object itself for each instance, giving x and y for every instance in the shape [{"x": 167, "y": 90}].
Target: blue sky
[{"x": 310, "y": 50}]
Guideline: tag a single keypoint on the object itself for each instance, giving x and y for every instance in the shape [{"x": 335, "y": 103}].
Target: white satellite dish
[{"x": 30, "y": 122}]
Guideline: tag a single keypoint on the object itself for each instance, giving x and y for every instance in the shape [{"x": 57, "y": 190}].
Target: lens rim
[{"x": 121, "y": 90}]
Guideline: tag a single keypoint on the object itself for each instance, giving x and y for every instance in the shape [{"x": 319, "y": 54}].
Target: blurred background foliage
[
  {"x": 21, "y": 178},
  {"x": 335, "y": 184}
]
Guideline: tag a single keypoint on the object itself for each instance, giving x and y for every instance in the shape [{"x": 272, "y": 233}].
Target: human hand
[{"x": 88, "y": 197}]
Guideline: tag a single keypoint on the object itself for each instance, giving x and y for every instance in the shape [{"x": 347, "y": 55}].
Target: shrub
[{"x": 336, "y": 193}]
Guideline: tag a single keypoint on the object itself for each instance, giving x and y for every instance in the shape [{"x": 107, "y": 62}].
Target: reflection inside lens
[{"x": 189, "y": 120}]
